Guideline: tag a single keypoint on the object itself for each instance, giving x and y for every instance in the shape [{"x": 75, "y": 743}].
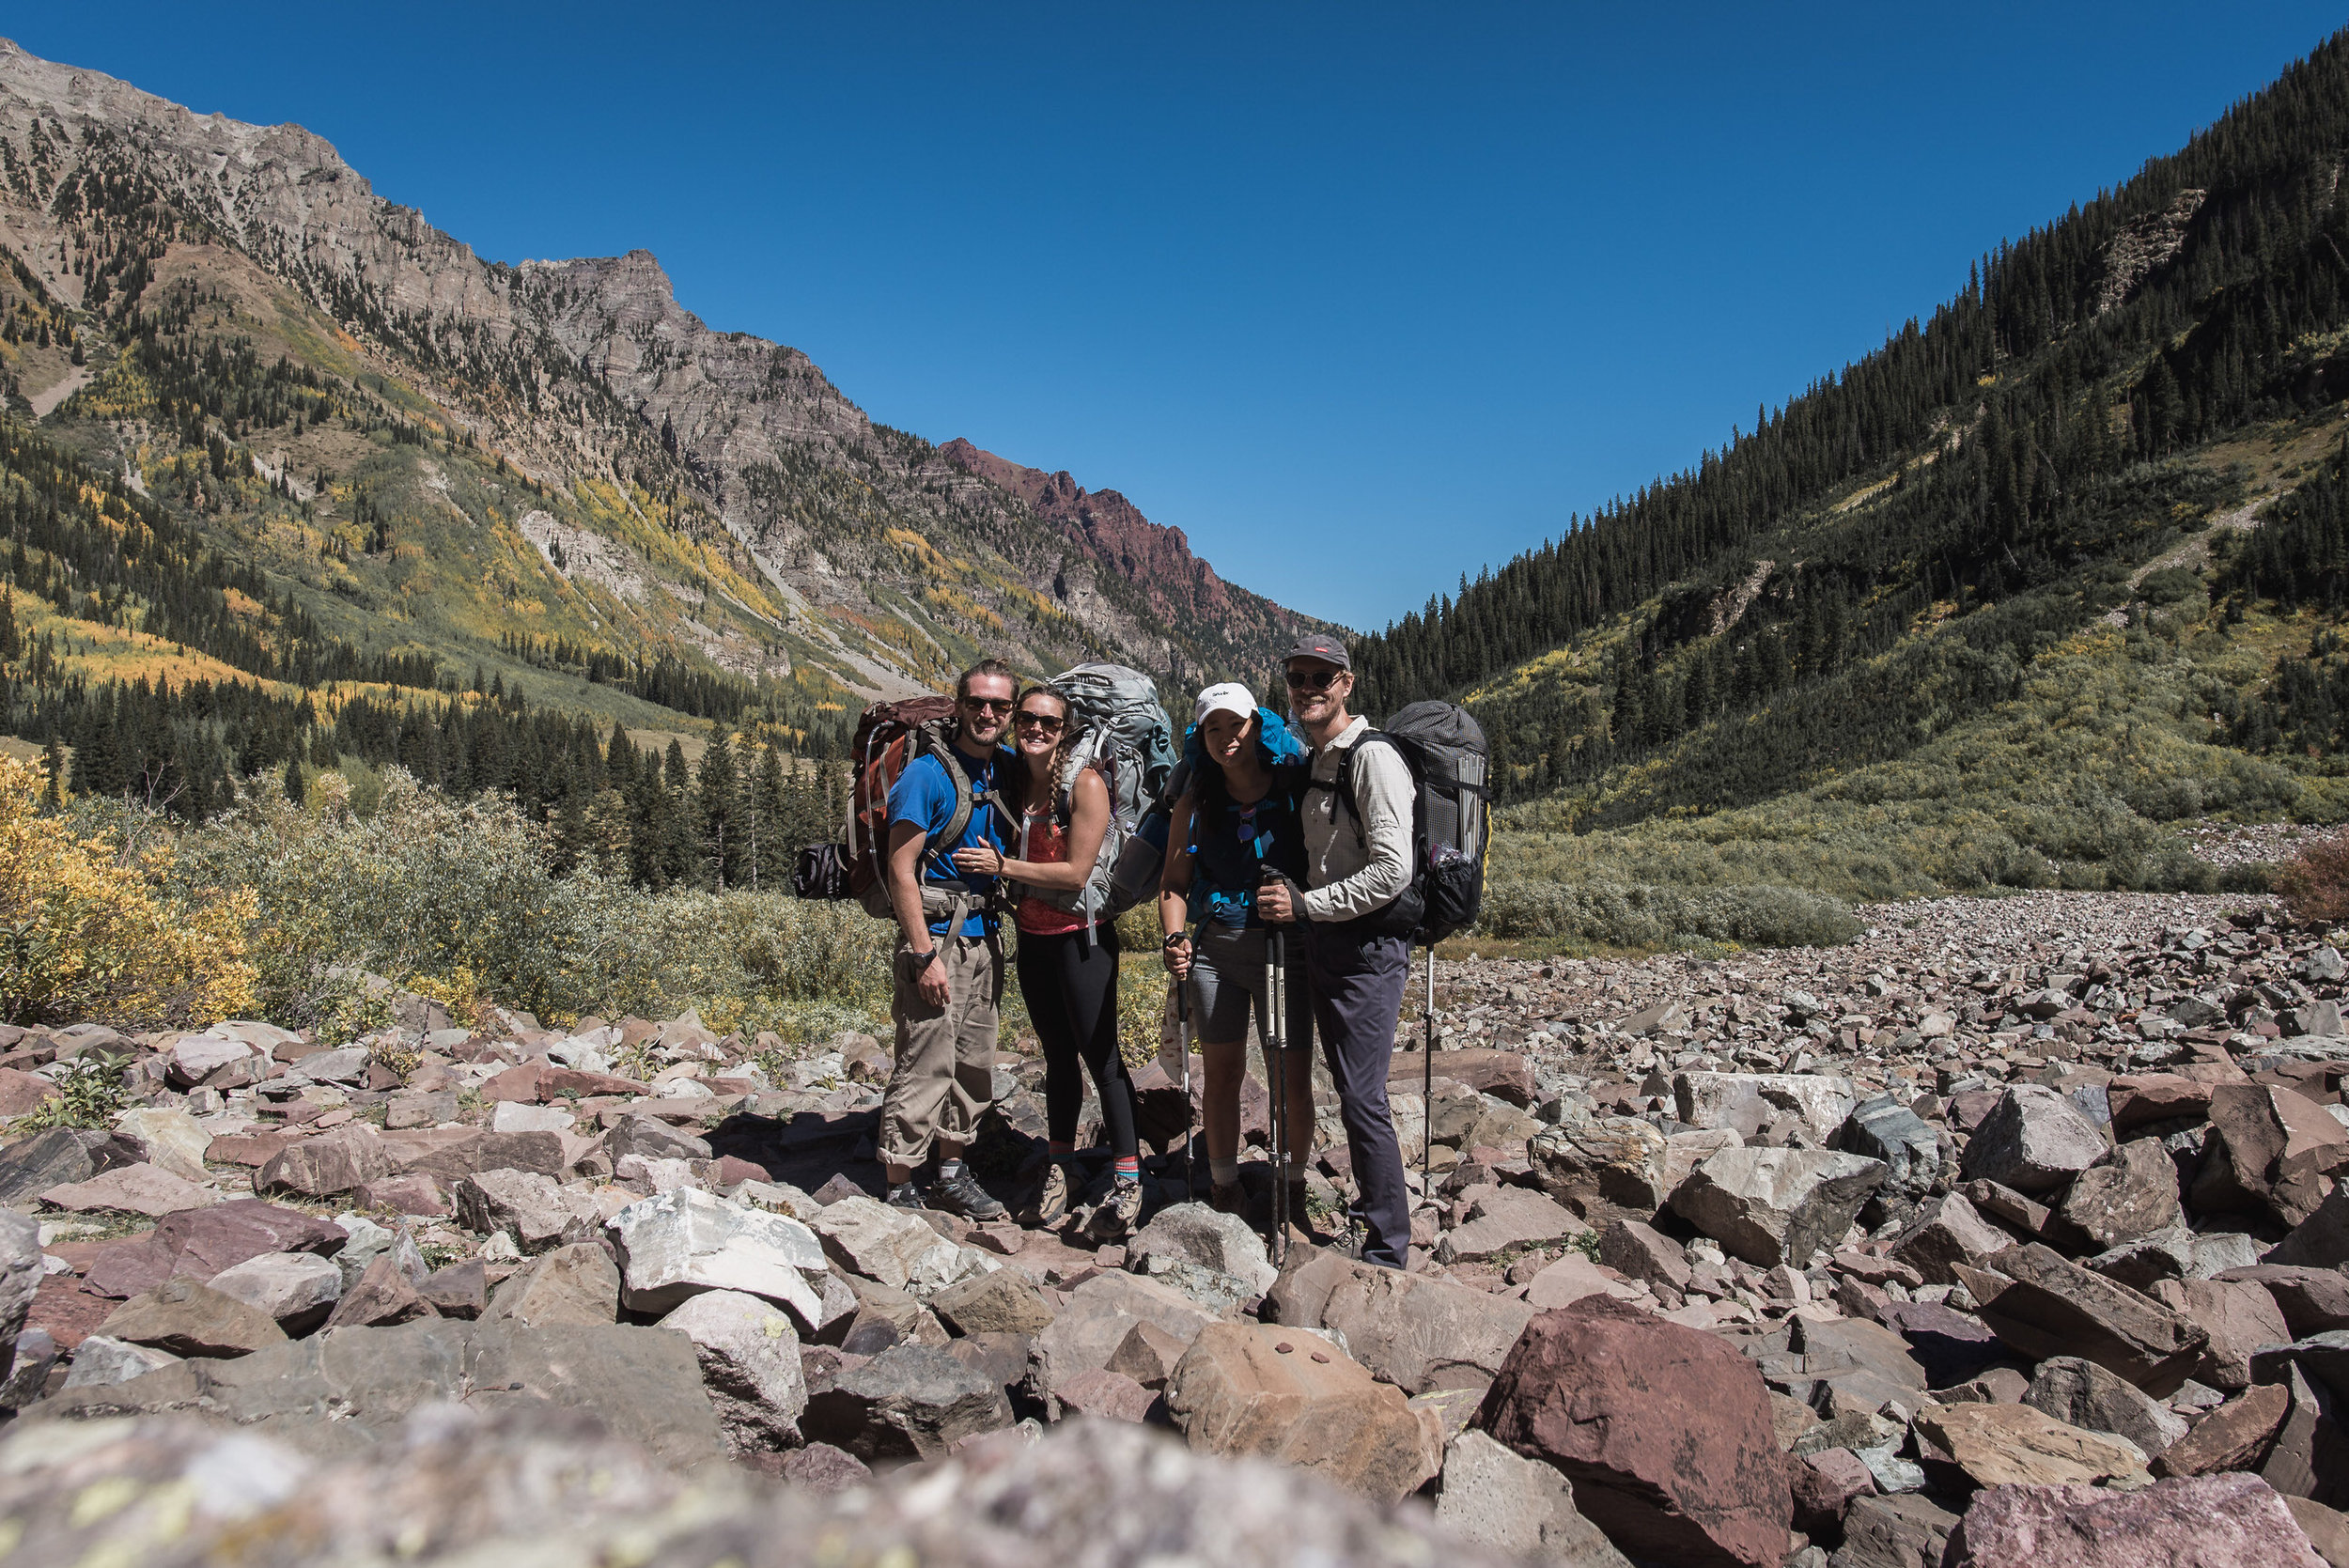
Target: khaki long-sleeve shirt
[{"x": 1356, "y": 860}]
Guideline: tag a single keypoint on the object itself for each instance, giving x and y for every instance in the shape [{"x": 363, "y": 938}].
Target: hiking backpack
[
  {"x": 889, "y": 736},
  {"x": 1444, "y": 749},
  {"x": 1123, "y": 733},
  {"x": 1217, "y": 861}
]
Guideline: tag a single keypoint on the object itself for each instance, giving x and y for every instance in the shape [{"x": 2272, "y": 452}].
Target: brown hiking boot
[
  {"x": 1052, "y": 1204},
  {"x": 1114, "y": 1219}
]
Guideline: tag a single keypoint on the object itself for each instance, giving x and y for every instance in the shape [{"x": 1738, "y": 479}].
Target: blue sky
[{"x": 1360, "y": 296}]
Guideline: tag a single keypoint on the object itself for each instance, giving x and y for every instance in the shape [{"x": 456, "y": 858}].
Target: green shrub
[
  {"x": 90, "y": 1095},
  {"x": 453, "y": 899},
  {"x": 1634, "y": 915},
  {"x": 2250, "y": 877}
]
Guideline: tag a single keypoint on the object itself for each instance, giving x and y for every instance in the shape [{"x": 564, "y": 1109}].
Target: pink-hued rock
[
  {"x": 1111, "y": 1395},
  {"x": 130, "y": 1266},
  {"x": 1418, "y": 1331},
  {"x": 415, "y": 1193},
  {"x": 2223, "y": 1521},
  {"x": 1281, "y": 1393},
  {"x": 330, "y": 1163},
  {"x": 141, "y": 1188},
  {"x": 22, "y": 1092},
  {"x": 2138, "y": 1098},
  {"x": 66, "y": 1312},
  {"x": 205, "y": 1241},
  {"x": 2271, "y": 1152},
  {"x": 1664, "y": 1431},
  {"x": 2239, "y": 1316},
  {"x": 2235, "y": 1437},
  {"x": 1505, "y": 1074}
]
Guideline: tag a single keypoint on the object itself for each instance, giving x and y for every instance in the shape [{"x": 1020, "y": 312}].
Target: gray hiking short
[{"x": 1227, "y": 980}]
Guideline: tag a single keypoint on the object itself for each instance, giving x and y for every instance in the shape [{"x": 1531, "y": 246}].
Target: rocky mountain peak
[
  {"x": 894, "y": 564},
  {"x": 1157, "y": 557}
]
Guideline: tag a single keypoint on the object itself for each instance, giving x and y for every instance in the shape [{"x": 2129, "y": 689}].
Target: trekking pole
[
  {"x": 1276, "y": 1029},
  {"x": 1182, "y": 1012},
  {"x": 1428, "y": 1082}
]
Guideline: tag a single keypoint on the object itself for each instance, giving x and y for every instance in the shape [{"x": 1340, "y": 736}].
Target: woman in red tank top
[
  {"x": 1067, "y": 969},
  {"x": 1044, "y": 841}
]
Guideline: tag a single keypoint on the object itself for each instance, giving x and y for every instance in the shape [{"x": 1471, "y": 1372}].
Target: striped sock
[{"x": 1130, "y": 1167}]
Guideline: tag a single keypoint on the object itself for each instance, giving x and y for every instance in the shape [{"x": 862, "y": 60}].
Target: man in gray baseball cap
[
  {"x": 1327, "y": 649},
  {"x": 1358, "y": 859}
]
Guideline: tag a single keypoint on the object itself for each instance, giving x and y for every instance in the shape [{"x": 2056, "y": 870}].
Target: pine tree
[
  {"x": 771, "y": 855},
  {"x": 679, "y": 851},
  {"x": 608, "y": 833},
  {"x": 647, "y": 853},
  {"x": 719, "y": 810},
  {"x": 295, "y": 790},
  {"x": 12, "y": 641}
]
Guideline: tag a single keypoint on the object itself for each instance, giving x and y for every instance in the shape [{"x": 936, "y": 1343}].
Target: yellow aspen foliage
[{"x": 87, "y": 932}]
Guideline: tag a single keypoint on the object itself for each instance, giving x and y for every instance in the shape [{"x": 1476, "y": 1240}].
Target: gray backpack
[{"x": 1123, "y": 732}]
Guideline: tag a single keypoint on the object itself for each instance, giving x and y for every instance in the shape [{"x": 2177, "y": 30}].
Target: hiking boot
[
  {"x": 1052, "y": 1204},
  {"x": 1115, "y": 1218},
  {"x": 1300, "y": 1218},
  {"x": 963, "y": 1195},
  {"x": 1228, "y": 1198},
  {"x": 907, "y": 1194}
]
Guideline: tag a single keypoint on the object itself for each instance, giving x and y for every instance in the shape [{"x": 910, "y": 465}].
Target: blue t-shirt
[{"x": 925, "y": 795}]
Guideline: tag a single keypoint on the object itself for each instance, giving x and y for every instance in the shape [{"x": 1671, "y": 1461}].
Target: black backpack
[{"x": 1444, "y": 749}]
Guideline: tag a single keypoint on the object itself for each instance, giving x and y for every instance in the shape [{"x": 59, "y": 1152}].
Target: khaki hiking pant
[{"x": 945, "y": 1070}]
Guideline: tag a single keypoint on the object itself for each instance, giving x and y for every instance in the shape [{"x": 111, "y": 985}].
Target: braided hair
[{"x": 1068, "y": 733}]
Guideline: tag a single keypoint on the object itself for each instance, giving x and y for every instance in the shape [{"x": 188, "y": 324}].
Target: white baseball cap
[{"x": 1229, "y": 696}]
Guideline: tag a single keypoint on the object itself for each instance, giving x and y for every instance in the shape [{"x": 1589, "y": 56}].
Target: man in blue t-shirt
[{"x": 948, "y": 975}]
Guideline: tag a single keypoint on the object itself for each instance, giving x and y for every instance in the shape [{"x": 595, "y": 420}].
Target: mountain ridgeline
[
  {"x": 2100, "y": 438},
  {"x": 292, "y": 480}
]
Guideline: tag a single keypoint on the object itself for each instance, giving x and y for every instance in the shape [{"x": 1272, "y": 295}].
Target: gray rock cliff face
[{"x": 591, "y": 366}]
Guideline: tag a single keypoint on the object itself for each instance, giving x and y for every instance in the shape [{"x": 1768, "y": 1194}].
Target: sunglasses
[
  {"x": 1319, "y": 681},
  {"x": 987, "y": 704},
  {"x": 1050, "y": 723}
]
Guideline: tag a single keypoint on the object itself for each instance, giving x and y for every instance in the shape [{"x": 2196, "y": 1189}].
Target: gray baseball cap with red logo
[{"x": 1324, "y": 647}]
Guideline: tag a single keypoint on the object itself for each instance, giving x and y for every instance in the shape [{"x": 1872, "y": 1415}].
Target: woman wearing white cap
[{"x": 1239, "y": 819}]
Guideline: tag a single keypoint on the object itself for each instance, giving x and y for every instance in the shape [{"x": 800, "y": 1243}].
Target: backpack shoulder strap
[
  {"x": 1342, "y": 786},
  {"x": 935, "y": 745},
  {"x": 1064, "y": 788}
]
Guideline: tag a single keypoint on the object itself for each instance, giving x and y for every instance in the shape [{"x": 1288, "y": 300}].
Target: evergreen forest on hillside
[
  {"x": 2014, "y": 437},
  {"x": 2114, "y": 460}
]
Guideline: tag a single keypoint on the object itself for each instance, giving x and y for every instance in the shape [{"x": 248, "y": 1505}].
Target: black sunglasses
[
  {"x": 987, "y": 704},
  {"x": 1318, "y": 682},
  {"x": 1050, "y": 723}
]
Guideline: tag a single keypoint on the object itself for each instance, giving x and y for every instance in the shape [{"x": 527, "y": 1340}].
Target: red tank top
[{"x": 1044, "y": 841}]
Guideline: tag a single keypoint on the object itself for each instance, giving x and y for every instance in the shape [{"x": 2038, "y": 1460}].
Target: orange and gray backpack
[{"x": 889, "y": 737}]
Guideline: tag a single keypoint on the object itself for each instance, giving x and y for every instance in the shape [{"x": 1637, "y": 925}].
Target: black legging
[{"x": 1072, "y": 991}]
